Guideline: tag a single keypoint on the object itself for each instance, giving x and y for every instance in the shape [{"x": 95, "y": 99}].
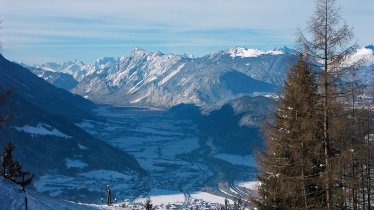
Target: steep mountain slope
[
  {"x": 42, "y": 127},
  {"x": 75, "y": 68},
  {"x": 267, "y": 66},
  {"x": 42, "y": 94},
  {"x": 58, "y": 79}
]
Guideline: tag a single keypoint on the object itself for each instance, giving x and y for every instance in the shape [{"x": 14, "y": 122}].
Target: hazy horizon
[{"x": 35, "y": 32}]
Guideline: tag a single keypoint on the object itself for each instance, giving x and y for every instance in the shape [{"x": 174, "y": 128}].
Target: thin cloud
[{"x": 113, "y": 26}]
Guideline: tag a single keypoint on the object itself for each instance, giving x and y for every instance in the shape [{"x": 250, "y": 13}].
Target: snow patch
[
  {"x": 363, "y": 56},
  {"x": 208, "y": 197},
  {"x": 12, "y": 198},
  {"x": 82, "y": 147},
  {"x": 42, "y": 130},
  {"x": 172, "y": 74},
  {"x": 162, "y": 196},
  {"x": 251, "y": 53},
  {"x": 251, "y": 185},
  {"x": 70, "y": 163}
]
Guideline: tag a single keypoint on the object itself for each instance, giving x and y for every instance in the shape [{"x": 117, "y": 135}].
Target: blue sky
[{"x": 38, "y": 31}]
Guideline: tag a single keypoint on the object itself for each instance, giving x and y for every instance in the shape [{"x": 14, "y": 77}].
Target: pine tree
[
  {"x": 292, "y": 162},
  {"x": 12, "y": 170}
]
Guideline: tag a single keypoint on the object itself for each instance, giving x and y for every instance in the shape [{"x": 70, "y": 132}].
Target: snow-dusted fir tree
[{"x": 291, "y": 164}]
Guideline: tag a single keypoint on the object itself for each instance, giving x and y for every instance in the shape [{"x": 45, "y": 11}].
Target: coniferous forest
[{"x": 319, "y": 147}]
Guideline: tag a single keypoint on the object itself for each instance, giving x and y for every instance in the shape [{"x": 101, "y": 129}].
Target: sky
[{"x": 39, "y": 31}]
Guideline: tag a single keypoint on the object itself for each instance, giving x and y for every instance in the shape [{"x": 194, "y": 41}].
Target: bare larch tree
[{"x": 328, "y": 43}]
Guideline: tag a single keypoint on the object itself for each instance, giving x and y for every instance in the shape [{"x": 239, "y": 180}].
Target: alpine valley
[{"x": 176, "y": 128}]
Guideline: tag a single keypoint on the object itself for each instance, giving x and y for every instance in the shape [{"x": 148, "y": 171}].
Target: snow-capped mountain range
[{"x": 165, "y": 80}]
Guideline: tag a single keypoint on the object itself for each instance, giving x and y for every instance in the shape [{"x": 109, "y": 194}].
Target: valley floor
[{"x": 182, "y": 168}]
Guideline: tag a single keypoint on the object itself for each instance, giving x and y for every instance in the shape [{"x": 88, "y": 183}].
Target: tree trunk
[{"x": 303, "y": 176}]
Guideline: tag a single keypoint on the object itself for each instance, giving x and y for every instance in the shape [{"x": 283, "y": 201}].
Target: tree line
[{"x": 319, "y": 147}]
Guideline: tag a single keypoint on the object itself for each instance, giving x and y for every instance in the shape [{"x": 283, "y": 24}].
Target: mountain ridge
[{"x": 165, "y": 80}]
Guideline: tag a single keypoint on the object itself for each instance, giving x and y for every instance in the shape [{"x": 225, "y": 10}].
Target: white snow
[
  {"x": 12, "y": 198},
  {"x": 251, "y": 53},
  {"x": 82, "y": 147},
  {"x": 70, "y": 163},
  {"x": 247, "y": 160},
  {"x": 251, "y": 185},
  {"x": 208, "y": 197},
  {"x": 162, "y": 196},
  {"x": 369, "y": 138},
  {"x": 139, "y": 99},
  {"x": 172, "y": 74},
  {"x": 364, "y": 56},
  {"x": 155, "y": 79},
  {"x": 42, "y": 130}
]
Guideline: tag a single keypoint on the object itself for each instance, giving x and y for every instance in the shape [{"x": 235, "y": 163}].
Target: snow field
[{"x": 42, "y": 130}]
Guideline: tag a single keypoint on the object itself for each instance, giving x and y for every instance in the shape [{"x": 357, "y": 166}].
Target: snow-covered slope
[
  {"x": 43, "y": 129},
  {"x": 58, "y": 79},
  {"x": 366, "y": 56},
  {"x": 248, "y": 53},
  {"x": 75, "y": 68},
  {"x": 13, "y": 198}
]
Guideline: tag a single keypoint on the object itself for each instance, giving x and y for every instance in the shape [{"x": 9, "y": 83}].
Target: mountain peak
[
  {"x": 138, "y": 52},
  {"x": 286, "y": 49},
  {"x": 77, "y": 61},
  {"x": 104, "y": 62}
]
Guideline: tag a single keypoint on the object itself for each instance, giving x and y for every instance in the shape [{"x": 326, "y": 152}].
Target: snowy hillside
[
  {"x": 43, "y": 129},
  {"x": 366, "y": 73},
  {"x": 165, "y": 80},
  {"x": 75, "y": 68},
  {"x": 58, "y": 79},
  {"x": 12, "y": 198}
]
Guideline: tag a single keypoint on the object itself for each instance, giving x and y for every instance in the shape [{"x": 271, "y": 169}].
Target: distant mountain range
[{"x": 166, "y": 80}]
